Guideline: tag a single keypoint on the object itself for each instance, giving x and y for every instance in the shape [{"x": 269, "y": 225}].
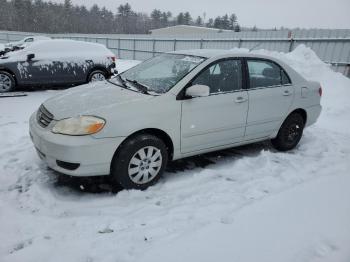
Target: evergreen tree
[
  {"x": 199, "y": 21},
  {"x": 180, "y": 19},
  {"x": 156, "y": 17},
  {"x": 233, "y": 21},
  {"x": 210, "y": 23},
  {"x": 44, "y": 16},
  {"x": 187, "y": 18}
]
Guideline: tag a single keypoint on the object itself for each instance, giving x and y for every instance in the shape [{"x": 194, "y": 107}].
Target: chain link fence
[{"x": 332, "y": 46}]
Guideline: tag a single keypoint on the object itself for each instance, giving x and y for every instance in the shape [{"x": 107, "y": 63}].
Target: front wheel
[
  {"x": 290, "y": 133},
  {"x": 140, "y": 162},
  {"x": 7, "y": 82}
]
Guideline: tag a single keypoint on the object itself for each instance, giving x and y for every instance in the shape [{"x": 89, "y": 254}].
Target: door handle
[
  {"x": 286, "y": 93},
  {"x": 240, "y": 99}
]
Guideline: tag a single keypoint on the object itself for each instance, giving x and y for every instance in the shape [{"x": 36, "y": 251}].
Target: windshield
[{"x": 161, "y": 73}]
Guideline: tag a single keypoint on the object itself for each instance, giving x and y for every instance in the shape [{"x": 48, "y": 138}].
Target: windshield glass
[{"x": 161, "y": 73}]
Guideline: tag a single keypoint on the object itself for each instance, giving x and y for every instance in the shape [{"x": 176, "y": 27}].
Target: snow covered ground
[
  {"x": 2, "y": 47},
  {"x": 246, "y": 204}
]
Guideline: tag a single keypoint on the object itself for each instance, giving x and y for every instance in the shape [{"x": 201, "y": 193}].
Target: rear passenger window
[
  {"x": 265, "y": 74},
  {"x": 224, "y": 76}
]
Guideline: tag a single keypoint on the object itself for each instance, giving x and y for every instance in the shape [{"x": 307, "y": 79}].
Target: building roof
[{"x": 187, "y": 28}]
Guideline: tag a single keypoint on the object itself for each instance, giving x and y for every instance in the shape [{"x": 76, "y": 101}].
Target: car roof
[{"x": 212, "y": 53}]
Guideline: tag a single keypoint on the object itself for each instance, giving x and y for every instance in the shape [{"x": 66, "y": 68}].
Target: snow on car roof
[
  {"x": 67, "y": 46},
  {"x": 65, "y": 42}
]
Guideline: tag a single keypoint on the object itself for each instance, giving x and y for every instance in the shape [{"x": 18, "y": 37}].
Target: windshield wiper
[
  {"x": 121, "y": 80},
  {"x": 142, "y": 88}
]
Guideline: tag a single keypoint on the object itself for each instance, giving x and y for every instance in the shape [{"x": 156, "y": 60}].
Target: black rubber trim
[{"x": 67, "y": 165}]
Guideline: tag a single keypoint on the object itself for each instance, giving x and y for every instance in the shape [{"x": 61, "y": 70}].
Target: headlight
[{"x": 79, "y": 126}]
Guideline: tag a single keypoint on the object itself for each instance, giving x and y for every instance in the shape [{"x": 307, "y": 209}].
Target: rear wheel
[
  {"x": 290, "y": 133},
  {"x": 139, "y": 162},
  {"x": 7, "y": 82},
  {"x": 97, "y": 75}
]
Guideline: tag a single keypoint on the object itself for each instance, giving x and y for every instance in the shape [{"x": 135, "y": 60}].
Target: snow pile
[
  {"x": 2, "y": 47},
  {"x": 253, "y": 204}
]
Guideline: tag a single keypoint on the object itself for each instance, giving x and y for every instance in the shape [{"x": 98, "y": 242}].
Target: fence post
[
  {"x": 107, "y": 42},
  {"x": 201, "y": 44},
  {"x": 134, "y": 47},
  {"x": 153, "y": 47},
  {"x": 291, "y": 44},
  {"x": 239, "y": 43},
  {"x": 175, "y": 44},
  {"x": 118, "y": 48},
  {"x": 8, "y": 38}
]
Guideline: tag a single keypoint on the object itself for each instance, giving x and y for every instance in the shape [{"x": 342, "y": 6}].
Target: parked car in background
[
  {"x": 173, "y": 106},
  {"x": 25, "y": 42},
  {"x": 55, "y": 63}
]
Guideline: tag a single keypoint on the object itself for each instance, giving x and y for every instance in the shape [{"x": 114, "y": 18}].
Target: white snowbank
[
  {"x": 253, "y": 204},
  {"x": 2, "y": 47}
]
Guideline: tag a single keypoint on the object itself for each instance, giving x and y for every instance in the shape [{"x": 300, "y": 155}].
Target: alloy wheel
[
  {"x": 5, "y": 83},
  {"x": 97, "y": 77}
]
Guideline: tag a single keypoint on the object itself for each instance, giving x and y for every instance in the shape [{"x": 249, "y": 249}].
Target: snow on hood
[{"x": 86, "y": 99}]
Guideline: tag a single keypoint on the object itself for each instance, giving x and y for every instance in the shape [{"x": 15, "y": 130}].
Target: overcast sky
[{"x": 262, "y": 13}]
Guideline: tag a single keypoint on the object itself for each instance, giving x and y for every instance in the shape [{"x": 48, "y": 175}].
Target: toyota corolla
[{"x": 173, "y": 106}]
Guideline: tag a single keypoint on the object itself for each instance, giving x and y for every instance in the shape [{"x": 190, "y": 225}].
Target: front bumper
[{"x": 92, "y": 156}]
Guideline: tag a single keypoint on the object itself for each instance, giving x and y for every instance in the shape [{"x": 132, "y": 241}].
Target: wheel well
[
  {"x": 10, "y": 72},
  {"x": 302, "y": 112},
  {"x": 101, "y": 68},
  {"x": 156, "y": 132}
]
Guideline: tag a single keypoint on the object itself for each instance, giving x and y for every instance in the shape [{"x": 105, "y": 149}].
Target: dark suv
[{"x": 55, "y": 63}]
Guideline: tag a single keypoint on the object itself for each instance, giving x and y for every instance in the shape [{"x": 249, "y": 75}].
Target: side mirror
[
  {"x": 30, "y": 57},
  {"x": 197, "y": 91}
]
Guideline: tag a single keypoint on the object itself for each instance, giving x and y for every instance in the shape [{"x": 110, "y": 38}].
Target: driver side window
[{"x": 221, "y": 77}]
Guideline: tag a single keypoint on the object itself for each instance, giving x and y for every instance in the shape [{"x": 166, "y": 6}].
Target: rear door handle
[
  {"x": 240, "y": 99},
  {"x": 286, "y": 93}
]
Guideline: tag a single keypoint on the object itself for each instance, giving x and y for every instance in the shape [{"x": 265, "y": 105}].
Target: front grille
[{"x": 43, "y": 116}]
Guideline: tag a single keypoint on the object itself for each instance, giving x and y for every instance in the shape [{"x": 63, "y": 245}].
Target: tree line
[{"x": 49, "y": 17}]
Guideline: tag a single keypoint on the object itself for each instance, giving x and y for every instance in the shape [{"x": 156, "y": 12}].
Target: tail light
[
  {"x": 113, "y": 58},
  {"x": 320, "y": 91}
]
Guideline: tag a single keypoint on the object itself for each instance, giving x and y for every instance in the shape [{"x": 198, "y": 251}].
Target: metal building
[{"x": 185, "y": 30}]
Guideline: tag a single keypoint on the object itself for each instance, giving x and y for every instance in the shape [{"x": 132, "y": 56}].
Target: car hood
[{"x": 86, "y": 99}]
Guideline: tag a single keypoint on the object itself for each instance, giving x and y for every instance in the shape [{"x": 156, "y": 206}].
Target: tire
[
  {"x": 140, "y": 162},
  {"x": 7, "y": 82},
  {"x": 97, "y": 75},
  {"x": 290, "y": 133}
]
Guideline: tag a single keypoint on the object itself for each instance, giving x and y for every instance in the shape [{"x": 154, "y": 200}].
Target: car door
[
  {"x": 270, "y": 97},
  {"x": 220, "y": 118},
  {"x": 72, "y": 62},
  {"x": 27, "y": 71},
  {"x": 41, "y": 69}
]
